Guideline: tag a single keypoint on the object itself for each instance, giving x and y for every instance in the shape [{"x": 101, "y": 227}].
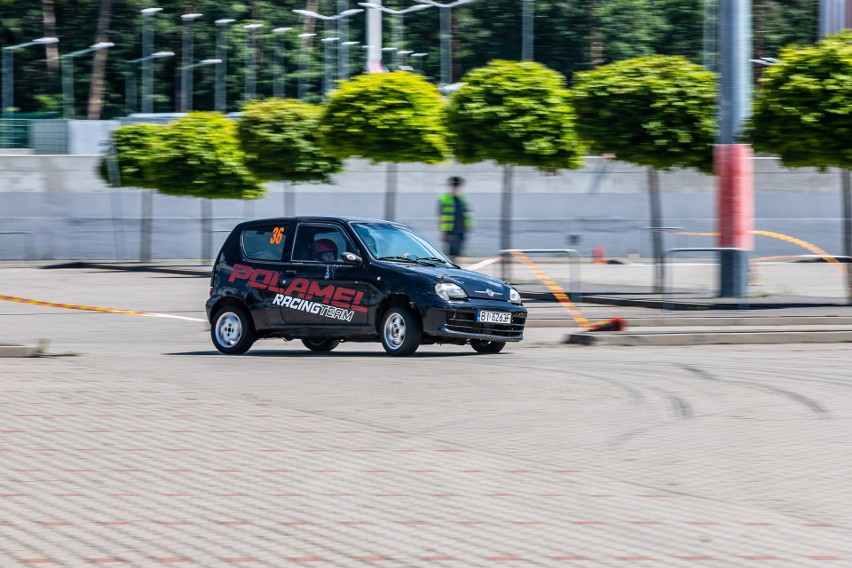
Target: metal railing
[
  {"x": 573, "y": 267},
  {"x": 29, "y": 242},
  {"x": 667, "y": 300}
]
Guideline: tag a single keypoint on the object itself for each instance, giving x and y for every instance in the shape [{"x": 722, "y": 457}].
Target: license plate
[{"x": 484, "y": 316}]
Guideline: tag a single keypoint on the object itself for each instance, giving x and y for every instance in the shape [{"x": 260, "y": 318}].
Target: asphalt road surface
[{"x": 137, "y": 444}]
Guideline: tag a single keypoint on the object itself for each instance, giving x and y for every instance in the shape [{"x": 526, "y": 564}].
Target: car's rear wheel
[
  {"x": 483, "y": 346},
  {"x": 232, "y": 332},
  {"x": 320, "y": 345},
  {"x": 401, "y": 331}
]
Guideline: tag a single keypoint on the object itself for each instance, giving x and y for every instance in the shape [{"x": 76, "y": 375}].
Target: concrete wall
[{"x": 72, "y": 214}]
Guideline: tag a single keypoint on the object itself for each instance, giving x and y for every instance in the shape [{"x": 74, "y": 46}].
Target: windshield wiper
[
  {"x": 430, "y": 260},
  {"x": 397, "y": 258}
]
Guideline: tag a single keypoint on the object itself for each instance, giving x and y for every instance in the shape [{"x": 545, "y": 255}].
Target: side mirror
[{"x": 351, "y": 258}]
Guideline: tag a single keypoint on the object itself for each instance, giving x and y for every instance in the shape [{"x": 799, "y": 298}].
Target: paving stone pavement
[{"x": 145, "y": 448}]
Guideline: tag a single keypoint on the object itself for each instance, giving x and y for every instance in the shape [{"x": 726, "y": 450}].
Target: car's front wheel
[
  {"x": 232, "y": 331},
  {"x": 483, "y": 346},
  {"x": 320, "y": 345},
  {"x": 401, "y": 331}
]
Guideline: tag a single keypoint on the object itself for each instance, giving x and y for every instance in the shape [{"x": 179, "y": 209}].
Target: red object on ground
[
  {"x": 598, "y": 255},
  {"x": 614, "y": 324}
]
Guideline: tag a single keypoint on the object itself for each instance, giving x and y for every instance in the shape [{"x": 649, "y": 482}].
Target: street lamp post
[
  {"x": 402, "y": 54},
  {"x": 279, "y": 77},
  {"x": 8, "y": 72},
  {"x": 446, "y": 37},
  {"x": 303, "y": 66},
  {"x": 420, "y": 57},
  {"x": 67, "y": 61},
  {"x": 147, "y": 66},
  {"x": 186, "y": 99},
  {"x": 344, "y": 74},
  {"x": 251, "y": 69},
  {"x": 186, "y": 56},
  {"x": 221, "y": 96},
  {"x": 527, "y": 33},
  {"x": 397, "y": 29},
  {"x": 342, "y": 31},
  {"x": 328, "y": 74},
  {"x": 130, "y": 97}
]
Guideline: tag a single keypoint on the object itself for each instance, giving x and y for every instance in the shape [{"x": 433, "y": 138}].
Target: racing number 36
[{"x": 277, "y": 233}]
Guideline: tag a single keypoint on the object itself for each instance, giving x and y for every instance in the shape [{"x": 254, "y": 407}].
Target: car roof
[{"x": 319, "y": 218}]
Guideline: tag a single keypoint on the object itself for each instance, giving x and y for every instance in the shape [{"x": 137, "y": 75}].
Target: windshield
[{"x": 392, "y": 242}]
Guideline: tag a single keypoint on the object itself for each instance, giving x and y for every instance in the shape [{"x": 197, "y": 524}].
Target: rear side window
[{"x": 265, "y": 242}]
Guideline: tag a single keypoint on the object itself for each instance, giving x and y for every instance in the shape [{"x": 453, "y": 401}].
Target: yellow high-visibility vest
[{"x": 448, "y": 213}]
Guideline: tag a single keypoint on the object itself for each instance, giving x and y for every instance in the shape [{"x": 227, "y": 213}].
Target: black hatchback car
[{"x": 324, "y": 280}]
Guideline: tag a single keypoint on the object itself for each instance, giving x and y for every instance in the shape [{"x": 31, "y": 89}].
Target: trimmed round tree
[
  {"x": 657, "y": 111},
  {"x": 385, "y": 117},
  {"x": 200, "y": 156},
  {"x": 126, "y": 164},
  {"x": 280, "y": 138},
  {"x": 802, "y": 114},
  {"x": 517, "y": 113}
]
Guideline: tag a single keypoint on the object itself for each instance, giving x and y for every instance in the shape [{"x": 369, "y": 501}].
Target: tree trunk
[
  {"x": 846, "y": 187},
  {"x": 96, "y": 90},
  {"x": 289, "y": 200},
  {"x": 656, "y": 228},
  {"x": 48, "y": 15},
  {"x": 595, "y": 42},
  {"x": 506, "y": 220},
  {"x": 145, "y": 233},
  {"x": 310, "y": 23},
  {"x": 390, "y": 192},
  {"x": 206, "y": 230}
]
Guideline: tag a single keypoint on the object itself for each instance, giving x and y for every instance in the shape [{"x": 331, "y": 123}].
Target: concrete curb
[
  {"x": 687, "y": 321},
  {"x": 744, "y": 337}
]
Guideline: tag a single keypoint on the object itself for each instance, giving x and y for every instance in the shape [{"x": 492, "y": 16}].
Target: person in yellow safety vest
[{"x": 454, "y": 216}]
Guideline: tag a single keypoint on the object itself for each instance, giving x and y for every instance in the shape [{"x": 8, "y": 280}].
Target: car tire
[
  {"x": 320, "y": 345},
  {"x": 401, "y": 331},
  {"x": 483, "y": 346},
  {"x": 232, "y": 330}
]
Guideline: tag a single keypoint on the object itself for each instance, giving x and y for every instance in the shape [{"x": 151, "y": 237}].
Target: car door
[
  {"x": 262, "y": 269},
  {"x": 323, "y": 292}
]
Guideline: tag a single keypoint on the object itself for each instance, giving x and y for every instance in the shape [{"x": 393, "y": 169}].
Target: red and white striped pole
[{"x": 734, "y": 166}]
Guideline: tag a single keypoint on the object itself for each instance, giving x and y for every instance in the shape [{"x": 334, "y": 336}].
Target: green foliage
[
  {"x": 135, "y": 144},
  {"x": 629, "y": 28},
  {"x": 280, "y": 139},
  {"x": 803, "y": 109},
  {"x": 516, "y": 113},
  {"x": 656, "y": 111},
  {"x": 386, "y": 117},
  {"x": 563, "y": 29},
  {"x": 199, "y": 155}
]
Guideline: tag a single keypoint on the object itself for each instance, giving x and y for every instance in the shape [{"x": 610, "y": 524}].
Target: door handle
[{"x": 289, "y": 273}]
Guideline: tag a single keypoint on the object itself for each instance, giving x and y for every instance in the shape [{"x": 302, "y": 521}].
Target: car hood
[{"x": 476, "y": 285}]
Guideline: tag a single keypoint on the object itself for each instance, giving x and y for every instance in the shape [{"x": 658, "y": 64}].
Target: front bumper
[{"x": 460, "y": 322}]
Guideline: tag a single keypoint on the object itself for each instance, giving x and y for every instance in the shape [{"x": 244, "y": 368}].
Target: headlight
[
  {"x": 449, "y": 291},
  {"x": 514, "y": 296}
]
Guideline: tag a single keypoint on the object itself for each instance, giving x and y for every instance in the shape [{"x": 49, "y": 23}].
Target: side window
[
  {"x": 320, "y": 243},
  {"x": 265, "y": 242}
]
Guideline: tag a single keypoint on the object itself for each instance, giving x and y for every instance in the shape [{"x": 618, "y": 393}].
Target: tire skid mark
[{"x": 807, "y": 402}]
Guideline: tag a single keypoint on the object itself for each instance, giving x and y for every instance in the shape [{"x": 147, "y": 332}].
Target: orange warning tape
[
  {"x": 780, "y": 236},
  {"x": 93, "y": 308},
  {"x": 554, "y": 288}
]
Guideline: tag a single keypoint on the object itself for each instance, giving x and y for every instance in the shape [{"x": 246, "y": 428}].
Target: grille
[{"x": 465, "y": 322}]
